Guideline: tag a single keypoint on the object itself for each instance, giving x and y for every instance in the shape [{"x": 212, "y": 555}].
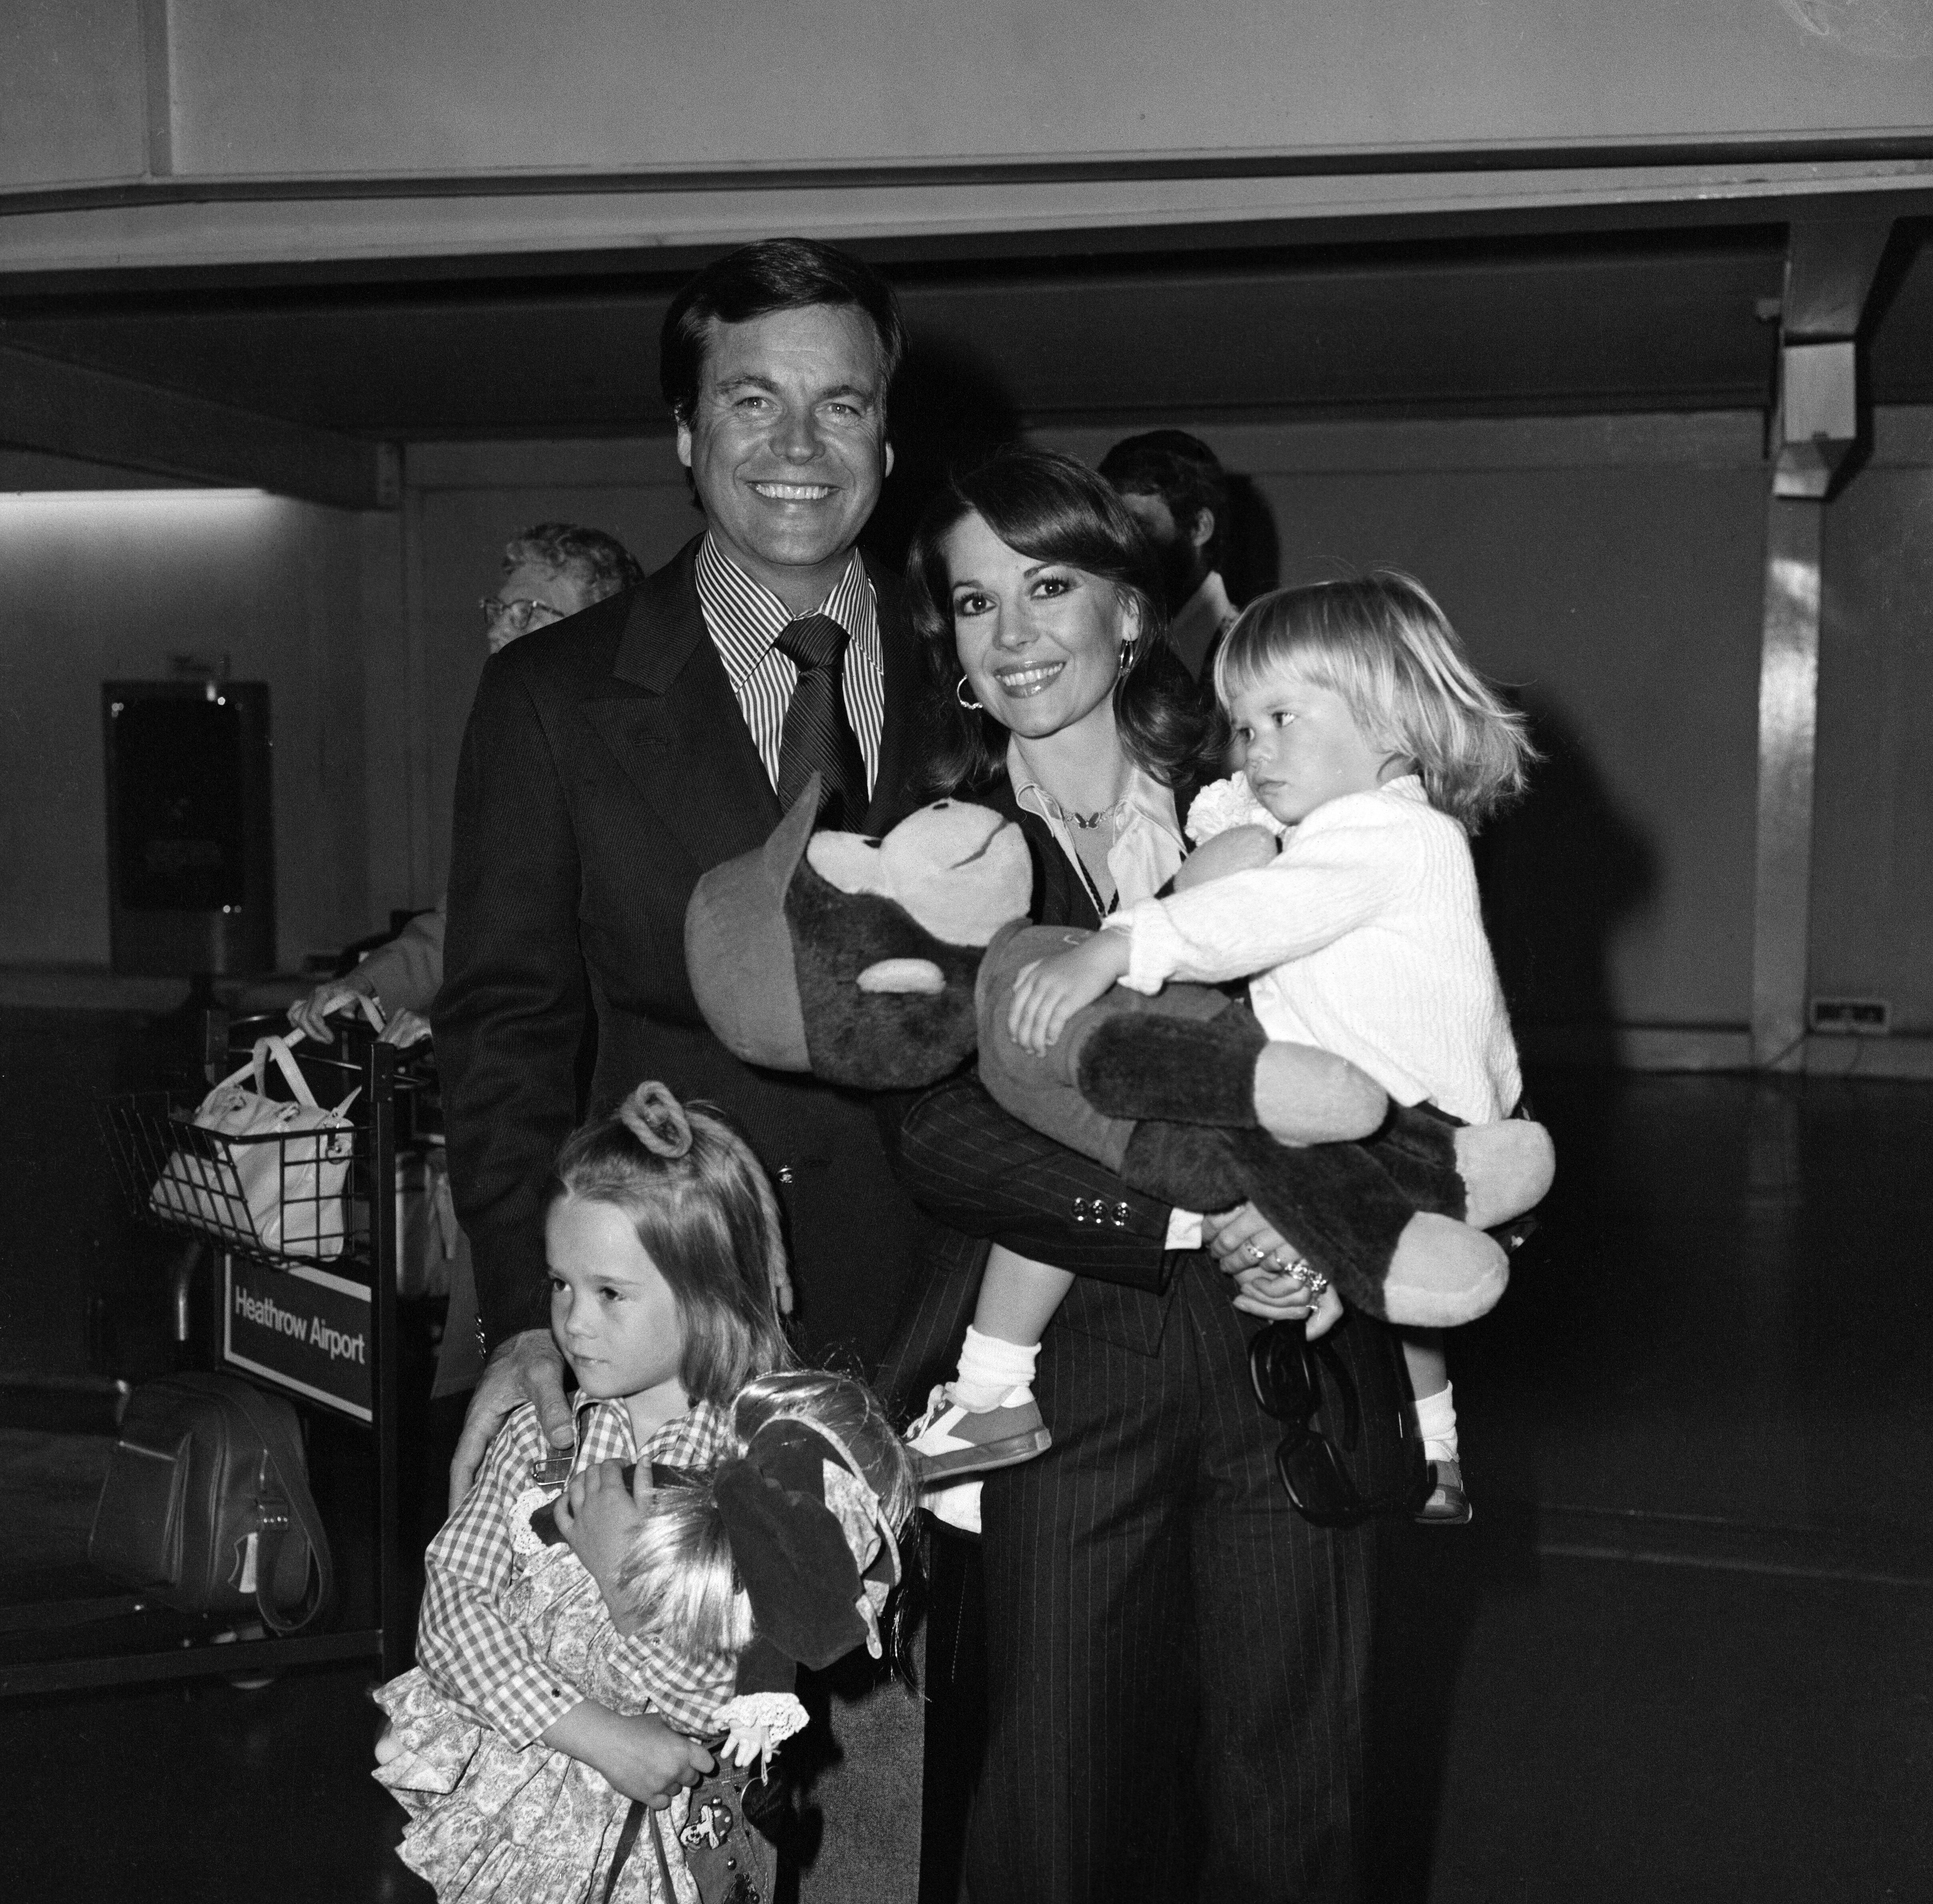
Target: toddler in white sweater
[{"x": 1335, "y": 875}]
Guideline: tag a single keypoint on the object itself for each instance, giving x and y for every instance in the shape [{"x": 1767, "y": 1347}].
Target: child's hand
[
  {"x": 638, "y": 1754},
  {"x": 1049, "y": 992},
  {"x": 600, "y": 1517}
]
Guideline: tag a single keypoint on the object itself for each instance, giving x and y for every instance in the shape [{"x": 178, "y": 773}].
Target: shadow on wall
[
  {"x": 951, "y": 412},
  {"x": 1253, "y": 565},
  {"x": 1560, "y": 874}
]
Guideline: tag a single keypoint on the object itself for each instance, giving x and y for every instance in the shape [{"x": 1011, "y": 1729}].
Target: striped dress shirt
[{"x": 744, "y": 619}]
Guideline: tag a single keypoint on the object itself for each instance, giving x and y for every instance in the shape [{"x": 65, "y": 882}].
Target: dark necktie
[{"x": 817, "y": 736}]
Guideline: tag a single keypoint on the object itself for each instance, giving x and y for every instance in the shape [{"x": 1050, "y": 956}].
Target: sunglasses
[{"x": 1301, "y": 1384}]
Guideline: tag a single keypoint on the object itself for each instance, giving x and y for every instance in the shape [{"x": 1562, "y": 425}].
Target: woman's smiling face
[{"x": 1039, "y": 642}]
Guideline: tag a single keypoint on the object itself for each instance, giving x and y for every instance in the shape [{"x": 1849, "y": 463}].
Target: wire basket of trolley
[{"x": 264, "y": 1169}]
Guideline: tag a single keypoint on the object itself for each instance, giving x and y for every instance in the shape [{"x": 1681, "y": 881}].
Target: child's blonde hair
[
  {"x": 706, "y": 1213},
  {"x": 1383, "y": 643},
  {"x": 678, "y": 1580}
]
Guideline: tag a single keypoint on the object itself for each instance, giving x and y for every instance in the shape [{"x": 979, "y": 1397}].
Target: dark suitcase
[{"x": 207, "y": 1506}]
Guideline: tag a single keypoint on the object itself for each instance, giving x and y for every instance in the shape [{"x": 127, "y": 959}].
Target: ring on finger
[
  {"x": 1316, "y": 1283},
  {"x": 1254, "y": 1252}
]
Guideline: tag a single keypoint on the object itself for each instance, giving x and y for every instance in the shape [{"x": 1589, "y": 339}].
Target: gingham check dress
[{"x": 474, "y": 1657}]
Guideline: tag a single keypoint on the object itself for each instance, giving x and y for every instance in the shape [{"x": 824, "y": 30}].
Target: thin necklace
[{"x": 1087, "y": 822}]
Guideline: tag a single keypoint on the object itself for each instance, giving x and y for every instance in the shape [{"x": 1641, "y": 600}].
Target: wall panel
[
  {"x": 73, "y": 85},
  {"x": 1610, "y": 567},
  {"x": 1872, "y": 842},
  {"x": 109, "y": 585},
  {"x": 276, "y": 86},
  {"x": 1609, "y": 570}
]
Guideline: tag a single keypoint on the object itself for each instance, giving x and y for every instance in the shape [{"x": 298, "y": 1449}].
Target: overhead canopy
[{"x": 464, "y": 217}]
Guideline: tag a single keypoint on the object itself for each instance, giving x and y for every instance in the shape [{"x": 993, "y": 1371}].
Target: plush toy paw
[
  {"x": 1482, "y": 1174},
  {"x": 1359, "y": 1224},
  {"x": 1304, "y": 1096},
  {"x": 1442, "y": 1274},
  {"x": 1507, "y": 1169}
]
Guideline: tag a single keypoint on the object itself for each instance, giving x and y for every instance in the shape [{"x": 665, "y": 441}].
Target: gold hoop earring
[
  {"x": 1127, "y": 657},
  {"x": 960, "y": 696}
]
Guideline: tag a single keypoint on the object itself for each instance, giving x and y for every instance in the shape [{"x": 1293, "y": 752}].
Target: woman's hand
[
  {"x": 1049, "y": 992},
  {"x": 599, "y": 1517},
  {"x": 1271, "y": 1279},
  {"x": 638, "y": 1754}
]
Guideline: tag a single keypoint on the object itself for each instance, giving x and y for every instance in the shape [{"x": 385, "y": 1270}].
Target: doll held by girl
[
  {"x": 590, "y": 1636},
  {"x": 1339, "y": 884}
]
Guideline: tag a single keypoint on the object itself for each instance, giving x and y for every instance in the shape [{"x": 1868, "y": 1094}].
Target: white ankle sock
[
  {"x": 990, "y": 1370},
  {"x": 1436, "y": 1422}
]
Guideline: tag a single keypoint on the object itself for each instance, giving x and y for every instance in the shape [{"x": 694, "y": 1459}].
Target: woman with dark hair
[
  {"x": 1048, "y": 511},
  {"x": 1175, "y": 1659}
]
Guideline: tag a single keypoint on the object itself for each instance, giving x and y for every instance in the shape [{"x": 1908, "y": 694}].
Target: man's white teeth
[{"x": 794, "y": 492}]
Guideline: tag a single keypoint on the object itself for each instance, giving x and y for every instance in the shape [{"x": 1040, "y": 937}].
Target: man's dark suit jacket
[{"x": 606, "y": 766}]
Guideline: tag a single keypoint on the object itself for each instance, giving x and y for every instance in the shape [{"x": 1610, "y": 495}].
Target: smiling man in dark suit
[{"x": 612, "y": 759}]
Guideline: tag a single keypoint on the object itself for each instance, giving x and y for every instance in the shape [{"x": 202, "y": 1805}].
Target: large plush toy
[{"x": 885, "y": 964}]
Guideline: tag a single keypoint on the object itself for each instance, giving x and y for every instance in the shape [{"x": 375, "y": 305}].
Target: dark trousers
[{"x": 1177, "y": 1663}]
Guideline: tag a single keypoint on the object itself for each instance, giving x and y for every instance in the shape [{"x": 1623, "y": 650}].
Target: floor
[{"x": 1681, "y": 1652}]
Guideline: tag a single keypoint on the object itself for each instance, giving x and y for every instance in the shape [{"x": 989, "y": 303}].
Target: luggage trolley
[{"x": 312, "y": 1314}]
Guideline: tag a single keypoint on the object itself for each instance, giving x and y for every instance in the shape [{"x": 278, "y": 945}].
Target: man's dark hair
[
  {"x": 604, "y": 565},
  {"x": 1182, "y": 470},
  {"x": 776, "y": 274}
]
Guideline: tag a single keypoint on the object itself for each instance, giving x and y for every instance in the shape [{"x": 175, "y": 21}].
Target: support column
[
  {"x": 1829, "y": 268},
  {"x": 1788, "y": 686}
]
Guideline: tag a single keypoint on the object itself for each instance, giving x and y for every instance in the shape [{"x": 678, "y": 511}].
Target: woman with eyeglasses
[{"x": 1175, "y": 1657}]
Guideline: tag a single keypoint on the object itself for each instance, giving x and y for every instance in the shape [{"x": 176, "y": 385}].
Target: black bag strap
[{"x": 289, "y": 1472}]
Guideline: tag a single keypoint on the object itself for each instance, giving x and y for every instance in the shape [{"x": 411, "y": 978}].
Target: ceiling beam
[
  {"x": 1830, "y": 265},
  {"x": 67, "y": 409}
]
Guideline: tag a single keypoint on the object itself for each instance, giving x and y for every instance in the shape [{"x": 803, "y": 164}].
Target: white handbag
[{"x": 276, "y": 1179}]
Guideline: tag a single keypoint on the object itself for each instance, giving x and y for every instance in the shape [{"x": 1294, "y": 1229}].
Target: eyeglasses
[
  {"x": 1298, "y": 1381},
  {"x": 519, "y": 614}
]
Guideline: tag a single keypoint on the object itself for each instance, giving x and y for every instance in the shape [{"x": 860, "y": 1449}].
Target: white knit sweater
[{"x": 1363, "y": 937}]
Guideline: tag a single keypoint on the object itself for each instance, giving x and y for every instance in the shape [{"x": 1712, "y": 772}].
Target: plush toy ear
[
  {"x": 849, "y": 861},
  {"x": 738, "y": 947}
]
